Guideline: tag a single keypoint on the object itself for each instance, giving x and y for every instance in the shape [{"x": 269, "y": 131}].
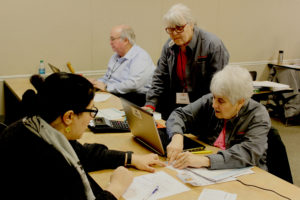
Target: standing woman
[
  {"x": 188, "y": 61},
  {"x": 40, "y": 157}
]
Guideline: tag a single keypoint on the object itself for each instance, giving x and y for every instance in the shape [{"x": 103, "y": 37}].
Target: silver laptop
[{"x": 143, "y": 127}]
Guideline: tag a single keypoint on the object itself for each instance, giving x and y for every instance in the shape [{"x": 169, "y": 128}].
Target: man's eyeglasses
[
  {"x": 178, "y": 29},
  {"x": 113, "y": 39},
  {"x": 93, "y": 112}
]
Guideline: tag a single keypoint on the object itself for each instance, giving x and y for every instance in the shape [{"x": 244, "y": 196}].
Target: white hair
[
  {"x": 178, "y": 15},
  {"x": 127, "y": 32},
  {"x": 233, "y": 82}
]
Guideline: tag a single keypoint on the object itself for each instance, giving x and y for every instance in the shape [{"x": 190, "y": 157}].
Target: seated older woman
[{"x": 228, "y": 118}]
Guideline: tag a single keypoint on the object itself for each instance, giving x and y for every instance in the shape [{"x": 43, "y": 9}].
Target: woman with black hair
[{"x": 40, "y": 157}]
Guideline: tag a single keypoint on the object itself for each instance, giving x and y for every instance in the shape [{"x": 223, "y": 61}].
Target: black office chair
[
  {"x": 253, "y": 74},
  {"x": 2, "y": 127},
  {"x": 277, "y": 159}
]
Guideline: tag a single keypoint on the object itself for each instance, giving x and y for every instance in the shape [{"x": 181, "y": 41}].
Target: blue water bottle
[{"x": 42, "y": 70}]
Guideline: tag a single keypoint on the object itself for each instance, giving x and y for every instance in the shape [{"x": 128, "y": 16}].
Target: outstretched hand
[{"x": 145, "y": 162}]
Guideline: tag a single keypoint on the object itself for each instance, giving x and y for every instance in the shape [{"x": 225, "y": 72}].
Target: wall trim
[
  {"x": 85, "y": 73},
  {"x": 102, "y": 72},
  {"x": 265, "y": 62}
]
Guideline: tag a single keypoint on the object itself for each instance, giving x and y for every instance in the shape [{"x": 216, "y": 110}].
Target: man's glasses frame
[
  {"x": 93, "y": 112},
  {"x": 178, "y": 29}
]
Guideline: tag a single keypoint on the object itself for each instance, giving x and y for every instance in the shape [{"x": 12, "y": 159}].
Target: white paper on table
[
  {"x": 157, "y": 115},
  {"x": 220, "y": 174},
  {"x": 195, "y": 180},
  {"x": 188, "y": 175},
  {"x": 209, "y": 194},
  {"x": 110, "y": 113},
  {"x": 99, "y": 97},
  {"x": 143, "y": 185}
]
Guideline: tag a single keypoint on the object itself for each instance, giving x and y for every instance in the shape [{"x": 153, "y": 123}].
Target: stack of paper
[
  {"x": 269, "y": 85},
  {"x": 209, "y": 194},
  {"x": 110, "y": 113},
  {"x": 154, "y": 186},
  {"x": 204, "y": 176}
]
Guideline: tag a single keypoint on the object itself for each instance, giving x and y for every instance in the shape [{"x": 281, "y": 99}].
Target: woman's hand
[
  {"x": 187, "y": 159},
  {"x": 175, "y": 148},
  {"x": 144, "y": 162},
  {"x": 120, "y": 180}
]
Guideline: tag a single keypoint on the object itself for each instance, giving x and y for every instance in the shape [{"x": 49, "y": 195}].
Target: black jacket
[{"x": 30, "y": 168}]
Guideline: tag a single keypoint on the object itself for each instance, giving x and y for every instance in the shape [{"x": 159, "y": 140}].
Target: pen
[
  {"x": 202, "y": 152},
  {"x": 153, "y": 192}
]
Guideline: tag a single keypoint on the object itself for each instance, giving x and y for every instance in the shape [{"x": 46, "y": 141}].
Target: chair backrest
[
  {"x": 2, "y": 127},
  {"x": 253, "y": 74},
  {"x": 277, "y": 159}
]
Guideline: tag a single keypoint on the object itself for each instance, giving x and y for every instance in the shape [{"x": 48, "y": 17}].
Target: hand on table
[
  {"x": 120, "y": 180},
  {"x": 174, "y": 148},
  {"x": 145, "y": 162},
  {"x": 187, "y": 159}
]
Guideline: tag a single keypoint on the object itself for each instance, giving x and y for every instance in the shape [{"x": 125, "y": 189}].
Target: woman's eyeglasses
[
  {"x": 93, "y": 112},
  {"x": 178, "y": 29}
]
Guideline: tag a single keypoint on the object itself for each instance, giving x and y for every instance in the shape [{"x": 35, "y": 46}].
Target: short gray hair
[
  {"x": 178, "y": 15},
  {"x": 233, "y": 82},
  {"x": 127, "y": 32}
]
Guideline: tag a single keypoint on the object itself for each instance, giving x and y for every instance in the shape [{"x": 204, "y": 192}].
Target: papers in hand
[
  {"x": 143, "y": 186},
  {"x": 204, "y": 176},
  {"x": 269, "y": 85}
]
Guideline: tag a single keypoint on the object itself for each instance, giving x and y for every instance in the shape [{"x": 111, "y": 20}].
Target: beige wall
[{"x": 78, "y": 30}]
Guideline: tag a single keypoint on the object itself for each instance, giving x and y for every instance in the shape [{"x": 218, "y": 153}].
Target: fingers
[
  {"x": 181, "y": 161},
  {"x": 172, "y": 154}
]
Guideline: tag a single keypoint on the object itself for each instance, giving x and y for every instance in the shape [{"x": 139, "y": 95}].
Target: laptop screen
[{"x": 143, "y": 127}]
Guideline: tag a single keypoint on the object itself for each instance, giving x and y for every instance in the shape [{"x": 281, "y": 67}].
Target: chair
[
  {"x": 2, "y": 127},
  {"x": 253, "y": 74},
  {"x": 277, "y": 159}
]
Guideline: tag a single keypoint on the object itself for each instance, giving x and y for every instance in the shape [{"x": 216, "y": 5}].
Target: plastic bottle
[
  {"x": 42, "y": 70},
  {"x": 280, "y": 57}
]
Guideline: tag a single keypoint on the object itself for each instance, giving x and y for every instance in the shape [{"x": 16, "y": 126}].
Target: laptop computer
[
  {"x": 144, "y": 129},
  {"x": 53, "y": 68},
  {"x": 56, "y": 69}
]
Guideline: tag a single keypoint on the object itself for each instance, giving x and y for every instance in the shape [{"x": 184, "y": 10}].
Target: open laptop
[
  {"x": 53, "y": 68},
  {"x": 56, "y": 69},
  {"x": 143, "y": 127}
]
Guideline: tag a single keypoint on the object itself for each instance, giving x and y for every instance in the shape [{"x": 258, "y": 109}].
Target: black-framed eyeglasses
[
  {"x": 93, "y": 112},
  {"x": 178, "y": 29}
]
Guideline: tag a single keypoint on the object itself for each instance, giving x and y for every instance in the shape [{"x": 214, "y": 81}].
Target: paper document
[
  {"x": 204, "y": 176},
  {"x": 110, "y": 113},
  {"x": 218, "y": 175},
  {"x": 209, "y": 194},
  {"x": 99, "y": 97},
  {"x": 271, "y": 85},
  {"x": 154, "y": 186}
]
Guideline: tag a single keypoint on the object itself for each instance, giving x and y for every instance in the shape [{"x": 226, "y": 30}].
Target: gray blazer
[
  {"x": 205, "y": 53},
  {"x": 246, "y": 134}
]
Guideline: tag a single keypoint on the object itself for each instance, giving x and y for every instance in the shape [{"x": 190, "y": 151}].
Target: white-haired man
[{"x": 130, "y": 69}]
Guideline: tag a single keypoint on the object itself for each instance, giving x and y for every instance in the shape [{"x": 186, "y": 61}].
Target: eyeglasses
[
  {"x": 93, "y": 112},
  {"x": 178, "y": 29},
  {"x": 113, "y": 39}
]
